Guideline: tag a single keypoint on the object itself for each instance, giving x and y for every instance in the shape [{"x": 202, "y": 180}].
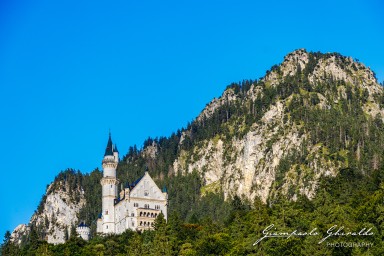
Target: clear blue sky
[{"x": 70, "y": 70}]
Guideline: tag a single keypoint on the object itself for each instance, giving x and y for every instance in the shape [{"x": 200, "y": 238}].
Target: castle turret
[
  {"x": 109, "y": 184},
  {"x": 83, "y": 231},
  {"x": 115, "y": 153}
]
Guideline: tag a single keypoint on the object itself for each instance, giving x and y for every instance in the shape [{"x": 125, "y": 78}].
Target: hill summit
[
  {"x": 312, "y": 118},
  {"x": 308, "y": 117}
]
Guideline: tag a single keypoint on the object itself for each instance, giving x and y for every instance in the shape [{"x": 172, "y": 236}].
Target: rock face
[
  {"x": 20, "y": 233},
  {"x": 57, "y": 214},
  {"x": 247, "y": 165},
  {"x": 255, "y": 140}
]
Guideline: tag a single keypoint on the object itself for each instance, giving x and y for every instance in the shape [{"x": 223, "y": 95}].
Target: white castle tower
[
  {"x": 83, "y": 231},
  {"x": 109, "y": 184},
  {"x": 137, "y": 205}
]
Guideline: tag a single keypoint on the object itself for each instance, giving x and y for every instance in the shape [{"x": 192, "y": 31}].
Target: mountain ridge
[
  {"x": 318, "y": 67},
  {"x": 261, "y": 139}
]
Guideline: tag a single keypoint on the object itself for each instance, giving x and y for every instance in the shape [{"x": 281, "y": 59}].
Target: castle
[{"x": 138, "y": 204}]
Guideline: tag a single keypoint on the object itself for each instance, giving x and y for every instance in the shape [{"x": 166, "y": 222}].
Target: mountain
[
  {"x": 310, "y": 121},
  {"x": 58, "y": 211},
  {"x": 268, "y": 140}
]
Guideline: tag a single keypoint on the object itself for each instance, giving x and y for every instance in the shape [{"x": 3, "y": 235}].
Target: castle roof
[
  {"x": 109, "y": 148},
  {"x": 82, "y": 224},
  {"x": 136, "y": 181},
  {"x": 115, "y": 148}
]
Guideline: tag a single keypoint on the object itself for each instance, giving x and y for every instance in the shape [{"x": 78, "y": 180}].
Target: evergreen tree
[{"x": 8, "y": 248}]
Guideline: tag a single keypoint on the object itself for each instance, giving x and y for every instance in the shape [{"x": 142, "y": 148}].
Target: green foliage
[
  {"x": 237, "y": 234},
  {"x": 92, "y": 192},
  {"x": 8, "y": 248},
  {"x": 327, "y": 112}
]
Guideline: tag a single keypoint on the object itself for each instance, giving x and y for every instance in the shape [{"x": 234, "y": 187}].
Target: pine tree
[
  {"x": 8, "y": 248},
  {"x": 162, "y": 245},
  {"x": 73, "y": 232}
]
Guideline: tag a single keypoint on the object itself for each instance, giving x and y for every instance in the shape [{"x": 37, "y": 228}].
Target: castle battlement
[{"x": 83, "y": 231}]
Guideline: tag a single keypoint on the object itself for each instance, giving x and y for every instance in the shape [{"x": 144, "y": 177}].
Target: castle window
[
  {"x": 106, "y": 212},
  {"x": 107, "y": 226},
  {"x": 132, "y": 214},
  {"x": 146, "y": 193},
  {"x": 133, "y": 224}
]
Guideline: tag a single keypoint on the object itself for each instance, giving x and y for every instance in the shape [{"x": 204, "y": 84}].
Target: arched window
[{"x": 132, "y": 215}]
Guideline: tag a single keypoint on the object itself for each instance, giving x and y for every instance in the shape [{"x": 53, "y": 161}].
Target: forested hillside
[
  {"x": 301, "y": 148},
  {"x": 350, "y": 200}
]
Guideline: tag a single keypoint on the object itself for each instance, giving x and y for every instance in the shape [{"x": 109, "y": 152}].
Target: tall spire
[
  {"x": 109, "y": 148},
  {"x": 115, "y": 148}
]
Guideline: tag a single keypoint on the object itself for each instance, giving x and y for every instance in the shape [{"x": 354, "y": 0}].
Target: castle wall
[{"x": 83, "y": 232}]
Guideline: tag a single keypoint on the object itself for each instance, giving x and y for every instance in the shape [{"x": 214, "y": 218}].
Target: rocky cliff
[
  {"x": 247, "y": 162},
  {"x": 313, "y": 116},
  {"x": 58, "y": 211}
]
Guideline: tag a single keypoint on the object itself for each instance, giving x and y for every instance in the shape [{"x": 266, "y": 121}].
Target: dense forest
[
  {"x": 351, "y": 200},
  {"x": 203, "y": 223}
]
